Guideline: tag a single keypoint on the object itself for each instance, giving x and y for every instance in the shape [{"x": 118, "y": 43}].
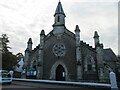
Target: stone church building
[{"x": 61, "y": 55}]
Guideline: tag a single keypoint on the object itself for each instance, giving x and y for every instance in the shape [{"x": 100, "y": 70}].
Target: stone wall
[{"x": 68, "y": 59}]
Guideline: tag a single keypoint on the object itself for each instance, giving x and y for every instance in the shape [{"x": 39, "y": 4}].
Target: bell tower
[
  {"x": 59, "y": 20},
  {"x": 59, "y": 16}
]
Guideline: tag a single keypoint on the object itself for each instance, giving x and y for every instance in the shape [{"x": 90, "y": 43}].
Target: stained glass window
[{"x": 59, "y": 50}]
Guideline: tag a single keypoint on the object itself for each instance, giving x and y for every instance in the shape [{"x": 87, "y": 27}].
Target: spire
[
  {"x": 59, "y": 17},
  {"x": 30, "y": 41},
  {"x": 59, "y": 9},
  {"x": 42, "y": 32},
  {"x": 96, "y": 39},
  {"x": 77, "y": 28},
  {"x": 29, "y": 44},
  {"x": 96, "y": 35}
]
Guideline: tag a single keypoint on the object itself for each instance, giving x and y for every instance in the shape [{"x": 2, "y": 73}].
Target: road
[{"x": 19, "y": 84}]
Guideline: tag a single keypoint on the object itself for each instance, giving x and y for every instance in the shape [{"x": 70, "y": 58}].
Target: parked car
[
  {"x": 5, "y": 77},
  {"x": 31, "y": 74}
]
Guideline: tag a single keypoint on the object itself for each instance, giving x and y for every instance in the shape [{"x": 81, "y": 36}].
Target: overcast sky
[{"x": 21, "y": 19}]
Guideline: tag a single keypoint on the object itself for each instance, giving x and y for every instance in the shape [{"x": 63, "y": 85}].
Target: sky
[{"x": 22, "y": 19}]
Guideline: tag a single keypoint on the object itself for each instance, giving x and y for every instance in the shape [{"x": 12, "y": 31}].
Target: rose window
[{"x": 59, "y": 50}]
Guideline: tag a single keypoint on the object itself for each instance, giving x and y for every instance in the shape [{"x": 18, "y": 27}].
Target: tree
[
  {"x": 19, "y": 55},
  {"x": 5, "y": 42},
  {"x": 8, "y": 59},
  {"x": 19, "y": 58}
]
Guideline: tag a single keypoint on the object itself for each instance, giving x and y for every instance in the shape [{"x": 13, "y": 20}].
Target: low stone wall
[{"x": 83, "y": 84}]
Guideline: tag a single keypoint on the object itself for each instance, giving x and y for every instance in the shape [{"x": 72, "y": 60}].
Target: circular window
[{"x": 59, "y": 50}]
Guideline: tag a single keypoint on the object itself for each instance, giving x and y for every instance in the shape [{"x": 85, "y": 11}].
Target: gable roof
[
  {"x": 68, "y": 32},
  {"x": 109, "y": 55},
  {"x": 72, "y": 35}
]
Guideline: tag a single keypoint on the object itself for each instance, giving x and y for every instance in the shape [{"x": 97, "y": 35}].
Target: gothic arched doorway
[{"x": 60, "y": 73}]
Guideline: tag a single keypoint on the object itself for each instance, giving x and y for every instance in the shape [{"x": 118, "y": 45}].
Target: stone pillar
[
  {"x": 27, "y": 54},
  {"x": 99, "y": 56},
  {"x": 27, "y": 51},
  {"x": 40, "y": 60},
  {"x": 79, "y": 63},
  {"x": 100, "y": 64},
  {"x": 78, "y": 53},
  {"x": 40, "y": 65},
  {"x": 113, "y": 80},
  {"x": 96, "y": 39},
  {"x": 29, "y": 44},
  {"x": 26, "y": 57}
]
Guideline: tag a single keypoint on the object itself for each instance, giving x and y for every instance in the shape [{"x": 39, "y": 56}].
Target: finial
[
  {"x": 77, "y": 28},
  {"x": 96, "y": 34},
  {"x": 30, "y": 41},
  {"x": 42, "y": 32}
]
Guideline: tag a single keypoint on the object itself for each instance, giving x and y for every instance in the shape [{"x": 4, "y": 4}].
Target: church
[{"x": 61, "y": 55}]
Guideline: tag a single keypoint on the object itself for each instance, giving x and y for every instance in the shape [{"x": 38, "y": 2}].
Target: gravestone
[{"x": 113, "y": 80}]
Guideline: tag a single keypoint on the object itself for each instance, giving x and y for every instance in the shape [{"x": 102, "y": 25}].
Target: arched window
[{"x": 89, "y": 64}]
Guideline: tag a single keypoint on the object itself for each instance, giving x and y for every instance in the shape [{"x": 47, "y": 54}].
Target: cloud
[
  {"x": 22, "y": 19},
  {"x": 96, "y": 16}
]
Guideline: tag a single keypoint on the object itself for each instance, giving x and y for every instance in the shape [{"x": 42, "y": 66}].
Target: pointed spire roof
[
  {"x": 42, "y": 32},
  {"x": 30, "y": 41},
  {"x": 59, "y": 9},
  {"x": 77, "y": 28},
  {"x": 96, "y": 34}
]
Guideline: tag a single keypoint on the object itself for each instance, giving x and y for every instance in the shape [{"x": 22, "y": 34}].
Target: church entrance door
[{"x": 60, "y": 73}]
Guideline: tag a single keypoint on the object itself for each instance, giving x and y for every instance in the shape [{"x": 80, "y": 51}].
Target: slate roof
[
  {"x": 59, "y": 9},
  {"x": 109, "y": 55}
]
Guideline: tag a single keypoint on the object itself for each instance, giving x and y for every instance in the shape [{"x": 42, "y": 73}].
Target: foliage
[
  {"x": 8, "y": 59},
  {"x": 5, "y": 42},
  {"x": 19, "y": 55}
]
